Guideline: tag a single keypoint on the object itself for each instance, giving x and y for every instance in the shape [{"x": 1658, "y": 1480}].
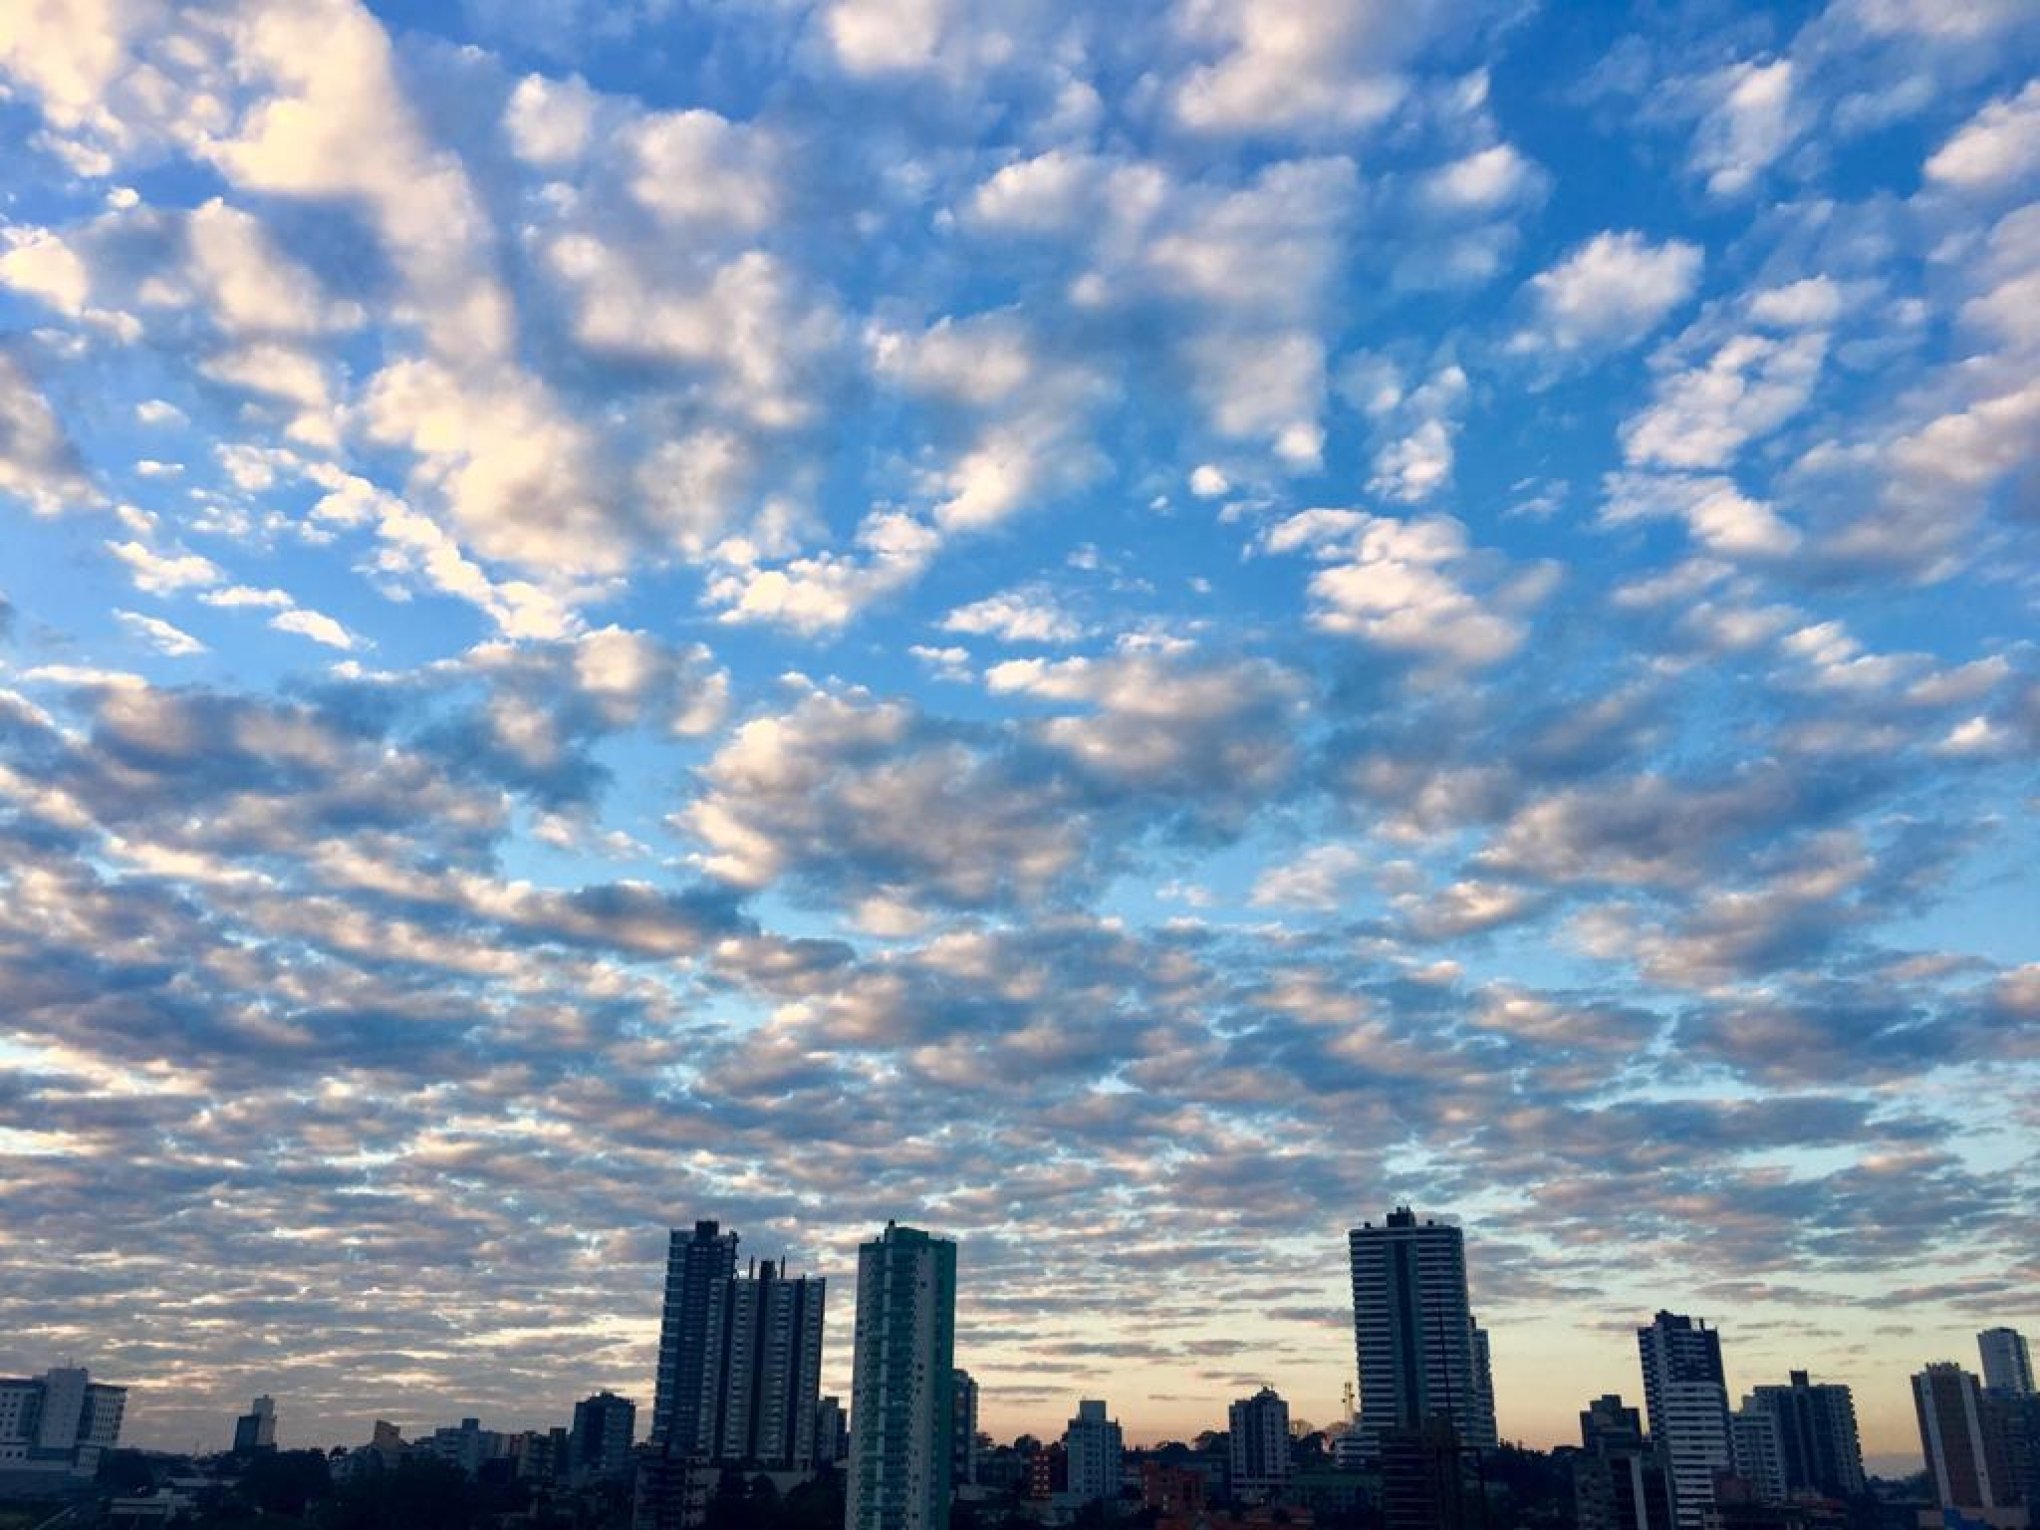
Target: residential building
[
  {"x": 963, "y": 1431},
  {"x": 59, "y": 1421},
  {"x": 1259, "y": 1441},
  {"x": 2007, "y": 1362},
  {"x": 1619, "y": 1479},
  {"x": 671, "y": 1491},
  {"x": 1686, "y": 1400},
  {"x": 832, "y": 1432},
  {"x": 903, "y": 1369},
  {"x": 699, "y": 1266},
  {"x": 1820, "y": 1450},
  {"x": 1424, "y": 1478},
  {"x": 762, "y": 1376},
  {"x": 1172, "y": 1491},
  {"x": 255, "y": 1430},
  {"x": 1757, "y": 1442},
  {"x": 1964, "y": 1460},
  {"x": 1093, "y": 1445},
  {"x": 604, "y": 1427},
  {"x": 466, "y": 1445},
  {"x": 1420, "y": 1353}
]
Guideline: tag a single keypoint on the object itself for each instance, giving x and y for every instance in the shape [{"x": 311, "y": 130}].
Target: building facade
[
  {"x": 699, "y": 1267},
  {"x": 902, "y": 1377},
  {"x": 59, "y": 1421},
  {"x": 255, "y": 1430},
  {"x": 1686, "y": 1400},
  {"x": 963, "y": 1431},
  {"x": 1963, "y": 1459},
  {"x": 1420, "y": 1354},
  {"x": 1093, "y": 1445},
  {"x": 605, "y": 1426},
  {"x": 762, "y": 1377},
  {"x": 1259, "y": 1443},
  {"x": 2007, "y": 1362},
  {"x": 1619, "y": 1479},
  {"x": 1820, "y": 1450}
]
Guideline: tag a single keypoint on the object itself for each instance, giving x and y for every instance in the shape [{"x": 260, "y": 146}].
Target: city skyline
[{"x": 1134, "y": 634}]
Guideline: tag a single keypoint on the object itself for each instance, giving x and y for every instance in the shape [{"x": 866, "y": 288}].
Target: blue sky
[{"x": 1129, "y": 634}]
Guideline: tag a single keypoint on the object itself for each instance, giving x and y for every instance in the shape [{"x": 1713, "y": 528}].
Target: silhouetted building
[
  {"x": 604, "y": 1427},
  {"x": 255, "y": 1430},
  {"x": 1172, "y": 1491},
  {"x": 963, "y": 1430},
  {"x": 1424, "y": 1479},
  {"x": 1619, "y": 1480},
  {"x": 1420, "y": 1354},
  {"x": 1093, "y": 1444},
  {"x": 1819, "y": 1448},
  {"x": 763, "y": 1374},
  {"x": 2007, "y": 1363},
  {"x": 58, "y": 1422},
  {"x": 466, "y": 1445},
  {"x": 903, "y": 1372},
  {"x": 1758, "y": 1445},
  {"x": 1259, "y": 1442},
  {"x": 1964, "y": 1462},
  {"x": 671, "y": 1491},
  {"x": 832, "y": 1432},
  {"x": 699, "y": 1266},
  {"x": 1686, "y": 1400}
]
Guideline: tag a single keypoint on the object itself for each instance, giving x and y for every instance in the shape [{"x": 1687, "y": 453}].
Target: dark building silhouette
[
  {"x": 604, "y": 1426},
  {"x": 1619, "y": 1480},
  {"x": 1820, "y": 1450},
  {"x": 1424, "y": 1480},
  {"x": 698, "y": 1268},
  {"x": 255, "y": 1430},
  {"x": 1420, "y": 1353}
]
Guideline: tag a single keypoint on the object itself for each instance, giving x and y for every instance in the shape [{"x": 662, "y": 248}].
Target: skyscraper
[
  {"x": 604, "y": 1427},
  {"x": 963, "y": 1429},
  {"x": 1820, "y": 1450},
  {"x": 1093, "y": 1445},
  {"x": 1686, "y": 1400},
  {"x": 1964, "y": 1460},
  {"x": 1258, "y": 1428},
  {"x": 1619, "y": 1480},
  {"x": 762, "y": 1375},
  {"x": 1421, "y": 1356},
  {"x": 2007, "y": 1363},
  {"x": 902, "y": 1375},
  {"x": 698, "y": 1267},
  {"x": 255, "y": 1430}
]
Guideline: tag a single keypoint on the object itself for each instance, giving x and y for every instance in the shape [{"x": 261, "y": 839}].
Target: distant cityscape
[{"x": 741, "y": 1436}]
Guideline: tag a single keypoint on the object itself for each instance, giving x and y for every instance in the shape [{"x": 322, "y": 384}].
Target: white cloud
[
  {"x": 1208, "y": 482},
  {"x": 549, "y": 122},
  {"x": 702, "y": 170},
  {"x": 315, "y": 625},
  {"x": 824, "y": 592},
  {"x": 38, "y": 463},
  {"x": 1027, "y": 615},
  {"x": 1995, "y": 148},
  {"x": 1611, "y": 291},
  {"x": 1484, "y": 181},
  {"x": 1405, "y": 585},
  {"x": 1702, "y": 416},
  {"x": 1751, "y": 123},
  {"x": 41, "y": 264},
  {"x": 1812, "y": 303},
  {"x": 161, "y": 573},
  {"x": 171, "y": 641},
  {"x": 1315, "y": 879},
  {"x": 1718, "y": 515}
]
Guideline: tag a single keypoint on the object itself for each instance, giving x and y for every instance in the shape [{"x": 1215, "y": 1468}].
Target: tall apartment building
[
  {"x": 1819, "y": 1448},
  {"x": 963, "y": 1431},
  {"x": 1259, "y": 1442},
  {"x": 605, "y": 1426},
  {"x": 699, "y": 1266},
  {"x": 902, "y": 1376},
  {"x": 1758, "y": 1445},
  {"x": 1421, "y": 1355},
  {"x": 255, "y": 1430},
  {"x": 1964, "y": 1456},
  {"x": 1093, "y": 1446},
  {"x": 59, "y": 1421},
  {"x": 2007, "y": 1363},
  {"x": 763, "y": 1373},
  {"x": 1686, "y": 1400},
  {"x": 1619, "y": 1478}
]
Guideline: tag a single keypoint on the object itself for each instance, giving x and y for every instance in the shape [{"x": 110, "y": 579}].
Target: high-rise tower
[
  {"x": 2007, "y": 1362},
  {"x": 903, "y": 1372},
  {"x": 1421, "y": 1356},
  {"x": 1686, "y": 1400},
  {"x": 698, "y": 1268},
  {"x": 1964, "y": 1457},
  {"x": 763, "y": 1373}
]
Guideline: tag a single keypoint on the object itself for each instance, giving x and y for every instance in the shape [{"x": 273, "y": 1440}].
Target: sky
[{"x": 1130, "y": 633}]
